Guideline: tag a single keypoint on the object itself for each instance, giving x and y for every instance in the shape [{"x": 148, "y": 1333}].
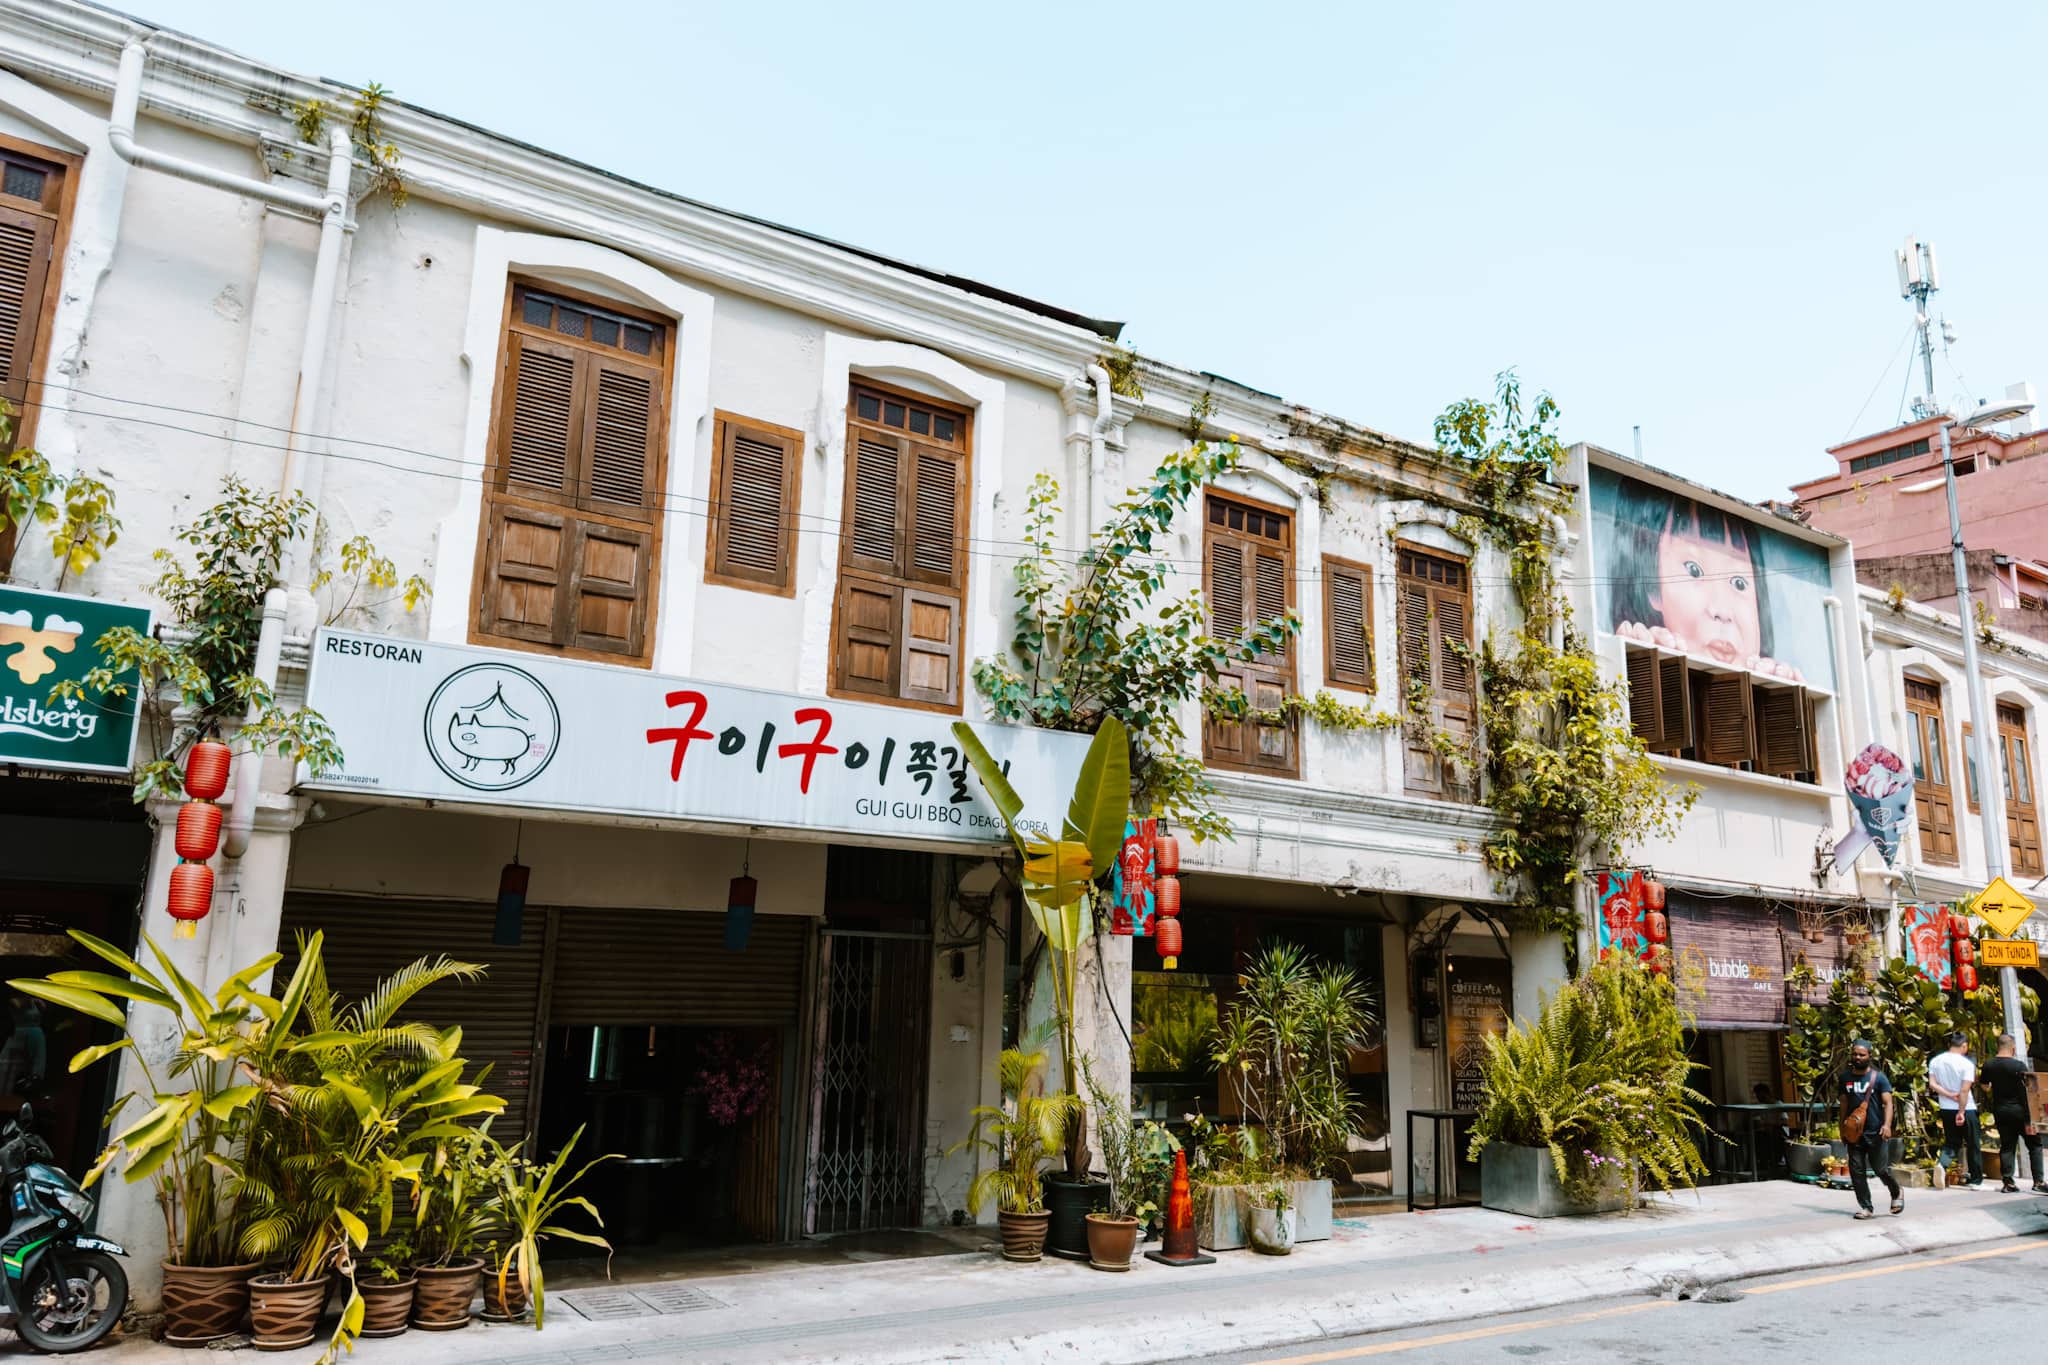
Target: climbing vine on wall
[
  {"x": 1101, "y": 641},
  {"x": 1572, "y": 783},
  {"x": 365, "y": 132}
]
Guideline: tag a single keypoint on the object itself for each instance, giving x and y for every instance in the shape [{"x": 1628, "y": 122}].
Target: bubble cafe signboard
[
  {"x": 484, "y": 727},
  {"x": 46, "y": 639}
]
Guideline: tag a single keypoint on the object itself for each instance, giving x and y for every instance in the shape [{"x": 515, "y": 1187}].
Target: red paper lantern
[
  {"x": 1653, "y": 896},
  {"x": 1656, "y": 926},
  {"x": 206, "y": 769},
  {"x": 1959, "y": 927},
  {"x": 191, "y": 896},
  {"x": 1966, "y": 951},
  {"x": 1166, "y": 938},
  {"x": 1166, "y": 896},
  {"x": 1166, "y": 855},
  {"x": 198, "y": 830},
  {"x": 1966, "y": 976}
]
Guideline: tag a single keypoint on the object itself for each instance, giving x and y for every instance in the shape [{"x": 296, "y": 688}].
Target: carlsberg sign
[{"x": 47, "y": 638}]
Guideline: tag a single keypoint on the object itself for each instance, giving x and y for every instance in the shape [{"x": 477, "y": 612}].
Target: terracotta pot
[
  {"x": 1023, "y": 1234},
  {"x": 1111, "y": 1240},
  {"x": 204, "y": 1303},
  {"x": 512, "y": 1306},
  {"x": 387, "y": 1307},
  {"x": 286, "y": 1313},
  {"x": 441, "y": 1303}
]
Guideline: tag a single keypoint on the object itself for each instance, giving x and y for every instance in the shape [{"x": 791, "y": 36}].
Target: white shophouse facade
[{"x": 169, "y": 358}]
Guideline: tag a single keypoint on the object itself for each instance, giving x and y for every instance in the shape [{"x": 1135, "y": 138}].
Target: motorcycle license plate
[{"x": 98, "y": 1244}]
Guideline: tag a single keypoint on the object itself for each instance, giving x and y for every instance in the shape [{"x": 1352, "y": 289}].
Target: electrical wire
[{"x": 1904, "y": 342}]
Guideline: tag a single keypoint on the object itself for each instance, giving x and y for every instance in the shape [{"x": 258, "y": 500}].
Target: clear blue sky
[{"x": 1681, "y": 217}]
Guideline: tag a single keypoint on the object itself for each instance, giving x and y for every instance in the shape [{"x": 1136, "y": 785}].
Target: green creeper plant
[
  {"x": 1102, "y": 644},
  {"x": 79, "y": 510}
]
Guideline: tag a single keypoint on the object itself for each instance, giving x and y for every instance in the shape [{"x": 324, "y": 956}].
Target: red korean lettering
[
  {"x": 681, "y": 736},
  {"x": 815, "y": 746}
]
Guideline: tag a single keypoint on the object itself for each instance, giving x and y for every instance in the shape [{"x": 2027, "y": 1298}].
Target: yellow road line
[{"x": 1387, "y": 1348}]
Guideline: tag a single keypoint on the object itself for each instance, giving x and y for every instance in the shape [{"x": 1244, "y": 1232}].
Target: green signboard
[{"x": 47, "y": 638}]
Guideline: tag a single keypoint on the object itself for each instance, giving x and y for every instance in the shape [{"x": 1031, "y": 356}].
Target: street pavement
[
  {"x": 1388, "y": 1273},
  {"x": 1981, "y": 1304}
]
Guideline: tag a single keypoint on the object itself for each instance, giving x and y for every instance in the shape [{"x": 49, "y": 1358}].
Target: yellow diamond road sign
[{"x": 2001, "y": 906}]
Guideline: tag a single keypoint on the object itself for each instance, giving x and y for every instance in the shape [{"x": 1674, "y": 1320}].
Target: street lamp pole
[{"x": 1917, "y": 280}]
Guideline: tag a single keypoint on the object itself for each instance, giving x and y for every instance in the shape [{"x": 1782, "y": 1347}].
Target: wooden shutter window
[
  {"x": 1781, "y": 733},
  {"x": 1645, "y": 700},
  {"x": 572, "y": 507},
  {"x": 1727, "y": 720},
  {"x": 755, "y": 492},
  {"x": 903, "y": 551},
  {"x": 1933, "y": 797},
  {"x": 1434, "y": 595},
  {"x": 25, "y": 242},
  {"x": 1248, "y": 549},
  {"x": 1674, "y": 703},
  {"x": 2022, "y": 823},
  {"x": 1347, "y": 624}
]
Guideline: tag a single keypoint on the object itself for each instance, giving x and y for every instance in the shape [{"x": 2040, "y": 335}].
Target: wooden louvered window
[
  {"x": 1659, "y": 701},
  {"x": 897, "y": 618},
  {"x": 2022, "y": 824},
  {"x": 756, "y": 479},
  {"x": 1927, "y": 751},
  {"x": 1433, "y": 599},
  {"x": 1347, "y": 624},
  {"x": 575, "y": 491},
  {"x": 1248, "y": 580},
  {"x": 35, "y": 185},
  {"x": 1784, "y": 731}
]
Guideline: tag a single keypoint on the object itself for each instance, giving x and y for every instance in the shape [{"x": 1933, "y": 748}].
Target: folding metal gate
[{"x": 869, "y": 1044}]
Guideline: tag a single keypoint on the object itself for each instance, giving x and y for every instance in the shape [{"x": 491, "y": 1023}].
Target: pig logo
[{"x": 492, "y": 727}]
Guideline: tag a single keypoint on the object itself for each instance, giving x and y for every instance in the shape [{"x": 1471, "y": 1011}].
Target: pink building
[{"x": 1885, "y": 497}]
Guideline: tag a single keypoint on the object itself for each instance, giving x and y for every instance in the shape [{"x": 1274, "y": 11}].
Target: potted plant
[
  {"x": 1019, "y": 1137},
  {"x": 1590, "y": 1099},
  {"x": 455, "y": 1216},
  {"x": 1113, "y": 1231},
  {"x": 532, "y": 1198},
  {"x": 1059, "y": 888},
  {"x": 199, "y": 1112},
  {"x": 1272, "y": 1210},
  {"x": 388, "y": 1291}
]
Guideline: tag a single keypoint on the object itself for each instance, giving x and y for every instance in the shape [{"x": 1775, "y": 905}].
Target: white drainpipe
[
  {"x": 1098, "y": 435},
  {"x": 1847, "y": 667},
  {"x": 302, "y": 464}
]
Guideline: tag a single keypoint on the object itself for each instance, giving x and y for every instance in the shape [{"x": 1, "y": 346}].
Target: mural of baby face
[{"x": 1707, "y": 596}]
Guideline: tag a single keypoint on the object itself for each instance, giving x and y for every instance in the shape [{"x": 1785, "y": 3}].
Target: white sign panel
[{"x": 499, "y": 728}]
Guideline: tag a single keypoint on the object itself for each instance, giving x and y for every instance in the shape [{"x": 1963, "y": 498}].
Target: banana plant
[{"x": 1060, "y": 874}]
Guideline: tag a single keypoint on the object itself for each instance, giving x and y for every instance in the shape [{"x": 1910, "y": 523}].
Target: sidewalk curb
[{"x": 1304, "y": 1318}]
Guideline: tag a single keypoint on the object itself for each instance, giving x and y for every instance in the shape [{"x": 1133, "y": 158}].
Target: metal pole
[{"x": 1990, "y": 789}]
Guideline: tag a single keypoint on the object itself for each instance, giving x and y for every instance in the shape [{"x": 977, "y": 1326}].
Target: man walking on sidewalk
[
  {"x": 1953, "y": 1078},
  {"x": 2006, "y": 1074},
  {"x": 1867, "y": 1128}
]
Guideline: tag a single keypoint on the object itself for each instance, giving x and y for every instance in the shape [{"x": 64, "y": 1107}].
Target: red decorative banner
[{"x": 1132, "y": 881}]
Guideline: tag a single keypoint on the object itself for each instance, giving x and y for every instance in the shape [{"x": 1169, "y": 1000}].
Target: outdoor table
[{"x": 1754, "y": 1112}]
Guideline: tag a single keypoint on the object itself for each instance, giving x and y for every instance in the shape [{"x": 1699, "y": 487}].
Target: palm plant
[
  {"x": 1021, "y": 1134},
  {"x": 1122, "y": 1149},
  {"x": 531, "y": 1199}
]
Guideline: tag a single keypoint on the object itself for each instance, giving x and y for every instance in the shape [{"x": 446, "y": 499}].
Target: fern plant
[
  {"x": 1601, "y": 1077},
  {"x": 1021, "y": 1134}
]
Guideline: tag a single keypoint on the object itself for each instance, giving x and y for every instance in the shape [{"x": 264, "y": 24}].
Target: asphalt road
[{"x": 1981, "y": 1304}]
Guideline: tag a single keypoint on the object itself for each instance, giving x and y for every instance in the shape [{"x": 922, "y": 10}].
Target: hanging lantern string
[
  {"x": 518, "y": 837},
  {"x": 747, "y": 858}
]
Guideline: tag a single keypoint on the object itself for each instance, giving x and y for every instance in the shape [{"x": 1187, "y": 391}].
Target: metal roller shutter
[
  {"x": 671, "y": 967},
  {"x": 369, "y": 939}
]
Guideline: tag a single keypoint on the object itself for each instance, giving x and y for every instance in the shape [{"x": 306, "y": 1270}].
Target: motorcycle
[{"x": 60, "y": 1287}]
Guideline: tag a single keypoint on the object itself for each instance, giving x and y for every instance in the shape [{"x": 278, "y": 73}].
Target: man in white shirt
[{"x": 1952, "y": 1076}]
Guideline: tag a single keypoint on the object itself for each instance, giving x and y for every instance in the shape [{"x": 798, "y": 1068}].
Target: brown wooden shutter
[
  {"x": 1781, "y": 737},
  {"x": 542, "y": 418},
  {"x": 1225, "y": 589},
  {"x": 1645, "y": 698},
  {"x": 1674, "y": 703},
  {"x": 936, "y": 496},
  {"x": 1726, "y": 720},
  {"x": 872, "y": 535},
  {"x": 1223, "y": 741},
  {"x": 931, "y": 647},
  {"x": 1248, "y": 550},
  {"x": 608, "y": 589},
  {"x": 754, "y": 498},
  {"x": 1414, "y": 632},
  {"x": 527, "y": 552},
  {"x": 1933, "y": 795},
  {"x": 1347, "y": 629},
  {"x": 1435, "y": 600},
  {"x": 870, "y": 618},
  {"x": 623, "y": 412},
  {"x": 2023, "y": 828},
  {"x": 25, "y": 244}
]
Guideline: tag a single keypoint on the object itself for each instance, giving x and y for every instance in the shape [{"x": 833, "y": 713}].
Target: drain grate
[
  {"x": 679, "y": 1298},
  {"x": 608, "y": 1305}
]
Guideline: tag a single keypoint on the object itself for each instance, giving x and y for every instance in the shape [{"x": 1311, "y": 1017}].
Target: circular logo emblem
[{"x": 492, "y": 727}]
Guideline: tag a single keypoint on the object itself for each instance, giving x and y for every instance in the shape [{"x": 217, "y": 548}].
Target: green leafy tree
[
  {"x": 1108, "y": 640},
  {"x": 78, "y": 511}
]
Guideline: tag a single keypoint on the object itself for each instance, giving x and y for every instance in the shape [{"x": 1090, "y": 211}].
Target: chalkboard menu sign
[{"x": 1480, "y": 992}]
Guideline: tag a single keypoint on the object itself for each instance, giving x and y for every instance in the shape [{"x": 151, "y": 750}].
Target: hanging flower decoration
[{"x": 733, "y": 1078}]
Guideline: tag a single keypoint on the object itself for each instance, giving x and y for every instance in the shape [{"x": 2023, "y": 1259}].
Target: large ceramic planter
[
  {"x": 509, "y": 1307},
  {"x": 1994, "y": 1169},
  {"x": 1069, "y": 1202},
  {"x": 1273, "y": 1231},
  {"x": 205, "y": 1303},
  {"x": 1804, "y": 1158},
  {"x": 1524, "y": 1180},
  {"x": 1111, "y": 1240},
  {"x": 284, "y": 1313},
  {"x": 387, "y": 1307},
  {"x": 441, "y": 1303},
  {"x": 1223, "y": 1214},
  {"x": 1023, "y": 1234}
]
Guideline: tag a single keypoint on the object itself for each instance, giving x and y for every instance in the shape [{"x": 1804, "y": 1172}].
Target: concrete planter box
[
  {"x": 1524, "y": 1180},
  {"x": 1223, "y": 1220}
]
